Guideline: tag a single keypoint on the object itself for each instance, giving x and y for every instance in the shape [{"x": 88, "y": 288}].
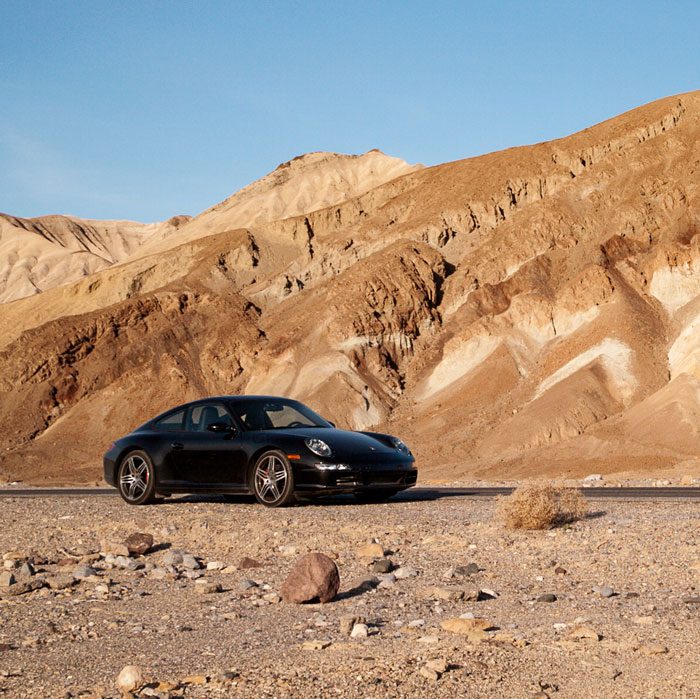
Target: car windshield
[{"x": 275, "y": 414}]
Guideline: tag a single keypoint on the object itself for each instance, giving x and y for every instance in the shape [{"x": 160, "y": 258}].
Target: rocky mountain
[
  {"x": 527, "y": 312},
  {"x": 39, "y": 253}
]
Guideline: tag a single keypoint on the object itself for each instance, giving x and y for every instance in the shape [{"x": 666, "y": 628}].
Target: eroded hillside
[{"x": 531, "y": 311}]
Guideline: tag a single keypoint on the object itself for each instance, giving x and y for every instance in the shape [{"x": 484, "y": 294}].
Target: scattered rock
[
  {"x": 158, "y": 574},
  {"x": 206, "y": 587},
  {"x": 83, "y": 571},
  {"x": 190, "y": 562},
  {"x": 450, "y": 594},
  {"x": 21, "y": 588},
  {"x": 347, "y": 623},
  {"x": 314, "y": 577},
  {"x": 195, "y": 680},
  {"x": 434, "y": 669},
  {"x": 695, "y": 599},
  {"x": 172, "y": 557},
  {"x": 216, "y": 565},
  {"x": 604, "y": 590},
  {"x": 130, "y": 679},
  {"x": 593, "y": 478},
  {"x": 583, "y": 632},
  {"x": 26, "y": 570},
  {"x": 374, "y": 551},
  {"x": 315, "y": 645},
  {"x": 467, "y": 627},
  {"x": 547, "y": 597},
  {"x": 62, "y": 581},
  {"x": 386, "y": 581},
  {"x": 403, "y": 573},
  {"x": 139, "y": 543},
  {"x": 383, "y": 565},
  {"x": 246, "y": 563},
  {"x": 359, "y": 631},
  {"x": 485, "y": 594},
  {"x": 7, "y": 579},
  {"x": 126, "y": 563}
]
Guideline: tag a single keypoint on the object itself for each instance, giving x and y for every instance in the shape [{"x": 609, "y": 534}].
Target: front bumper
[{"x": 387, "y": 474}]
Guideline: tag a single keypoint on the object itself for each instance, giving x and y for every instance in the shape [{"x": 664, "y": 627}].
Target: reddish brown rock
[
  {"x": 314, "y": 577},
  {"x": 139, "y": 543}
]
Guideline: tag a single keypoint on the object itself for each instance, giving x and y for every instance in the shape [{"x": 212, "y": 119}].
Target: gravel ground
[{"x": 243, "y": 641}]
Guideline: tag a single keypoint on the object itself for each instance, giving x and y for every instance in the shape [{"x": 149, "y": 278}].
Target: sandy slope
[
  {"x": 40, "y": 253},
  {"x": 526, "y": 312}
]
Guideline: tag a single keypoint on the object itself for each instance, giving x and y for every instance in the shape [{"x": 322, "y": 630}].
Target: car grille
[{"x": 368, "y": 477}]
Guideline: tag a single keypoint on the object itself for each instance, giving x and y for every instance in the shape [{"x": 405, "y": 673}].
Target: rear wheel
[
  {"x": 375, "y": 496},
  {"x": 273, "y": 480},
  {"x": 136, "y": 478}
]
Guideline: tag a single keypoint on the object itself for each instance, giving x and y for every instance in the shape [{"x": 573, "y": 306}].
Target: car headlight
[
  {"x": 318, "y": 447},
  {"x": 398, "y": 444}
]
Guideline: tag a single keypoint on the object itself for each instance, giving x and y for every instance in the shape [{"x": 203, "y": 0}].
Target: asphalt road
[{"x": 418, "y": 493}]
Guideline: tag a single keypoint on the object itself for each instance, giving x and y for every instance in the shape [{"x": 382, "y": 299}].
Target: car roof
[
  {"x": 229, "y": 399},
  {"x": 209, "y": 399},
  {"x": 236, "y": 399}
]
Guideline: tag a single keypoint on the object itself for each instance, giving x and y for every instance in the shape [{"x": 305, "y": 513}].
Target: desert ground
[{"x": 608, "y": 606}]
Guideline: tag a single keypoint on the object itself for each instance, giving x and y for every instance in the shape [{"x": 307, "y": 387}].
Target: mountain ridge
[{"x": 524, "y": 312}]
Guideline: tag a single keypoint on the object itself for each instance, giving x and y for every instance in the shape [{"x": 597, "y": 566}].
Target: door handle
[{"x": 177, "y": 445}]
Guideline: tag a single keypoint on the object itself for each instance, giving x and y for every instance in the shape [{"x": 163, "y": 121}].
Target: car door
[
  {"x": 171, "y": 429},
  {"x": 211, "y": 459}
]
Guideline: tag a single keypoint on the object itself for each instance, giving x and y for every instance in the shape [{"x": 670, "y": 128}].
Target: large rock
[
  {"x": 130, "y": 679},
  {"x": 314, "y": 577},
  {"x": 139, "y": 543}
]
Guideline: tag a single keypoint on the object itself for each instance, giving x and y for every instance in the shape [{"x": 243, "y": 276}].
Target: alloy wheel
[
  {"x": 134, "y": 478},
  {"x": 271, "y": 478}
]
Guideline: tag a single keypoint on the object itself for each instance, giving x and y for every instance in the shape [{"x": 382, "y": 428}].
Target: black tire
[
  {"x": 272, "y": 480},
  {"x": 136, "y": 478},
  {"x": 374, "y": 496}
]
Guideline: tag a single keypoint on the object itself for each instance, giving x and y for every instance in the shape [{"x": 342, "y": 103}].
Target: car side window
[
  {"x": 201, "y": 416},
  {"x": 172, "y": 423}
]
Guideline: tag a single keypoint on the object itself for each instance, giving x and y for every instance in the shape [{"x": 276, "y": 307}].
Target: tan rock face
[
  {"x": 314, "y": 577},
  {"x": 529, "y": 312}
]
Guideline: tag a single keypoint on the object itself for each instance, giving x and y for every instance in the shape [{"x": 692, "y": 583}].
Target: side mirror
[{"x": 221, "y": 427}]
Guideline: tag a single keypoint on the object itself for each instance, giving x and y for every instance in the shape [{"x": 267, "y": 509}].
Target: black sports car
[{"x": 272, "y": 447}]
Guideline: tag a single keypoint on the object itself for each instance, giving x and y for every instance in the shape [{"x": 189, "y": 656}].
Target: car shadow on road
[{"x": 407, "y": 496}]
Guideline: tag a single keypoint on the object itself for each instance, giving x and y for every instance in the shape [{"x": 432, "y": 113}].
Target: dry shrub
[{"x": 542, "y": 506}]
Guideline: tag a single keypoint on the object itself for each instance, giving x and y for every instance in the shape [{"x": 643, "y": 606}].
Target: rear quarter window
[{"x": 172, "y": 423}]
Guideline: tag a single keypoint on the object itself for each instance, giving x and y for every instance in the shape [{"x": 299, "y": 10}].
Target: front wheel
[
  {"x": 136, "y": 478},
  {"x": 273, "y": 480},
  {"x": 374, "y": 496}
]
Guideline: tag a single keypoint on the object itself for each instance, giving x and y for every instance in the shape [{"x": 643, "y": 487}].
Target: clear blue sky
[{"x": 148, "y": 109}]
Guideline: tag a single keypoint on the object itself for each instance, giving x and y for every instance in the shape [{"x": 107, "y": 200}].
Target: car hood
[{"x": 342, "y": 442}]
